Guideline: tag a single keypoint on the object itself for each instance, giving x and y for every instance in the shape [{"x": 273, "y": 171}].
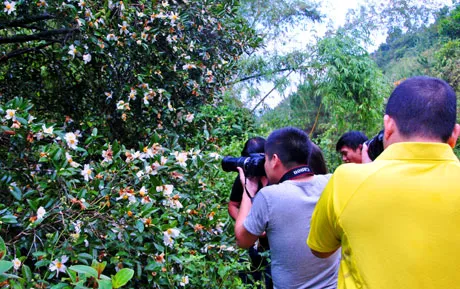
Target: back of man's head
[
  {"x": 423, "y": 106},
  {"x": 292, "y": 146},
  {"x": 352, "y": 139}
]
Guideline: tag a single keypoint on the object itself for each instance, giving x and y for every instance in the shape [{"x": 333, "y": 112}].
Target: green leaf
[
  {"x": 122, "y": 277},
  {"x": 140, "y": 226},
  {"x": 2, "y": 248},
  {"x": 72, "y": 275},
  {"x": 105, "y": 284},
  {"x": 16, "y": 192},
  {"x": 99, "y": 267},
  {"x": 26, "y": 272},
  {"x": 5, "y": 266},
  {"x": 42, "y": 263},
  {"x": 87, "y": 270},
  {"x": 60, "y": 286}
]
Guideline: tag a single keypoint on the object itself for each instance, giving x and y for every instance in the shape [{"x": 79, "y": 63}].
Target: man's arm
[
  {"x": 233, "y": 209},
  {"x": 245, "y": 239},
  {"x": 324, "y": 238}
]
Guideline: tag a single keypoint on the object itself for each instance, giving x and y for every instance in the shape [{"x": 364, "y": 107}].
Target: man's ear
[
  {"x": 359, "y": 148},
  {"x": 389, "y": 126},
  {"x": 454, "y": 136},
  {"x": 275, "y": 160}
]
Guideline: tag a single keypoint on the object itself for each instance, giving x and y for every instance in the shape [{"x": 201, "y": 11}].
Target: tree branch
[
  {"x": 38, "y": 36},
  {"x": 259, "y": 75},
  {"x": 263, "y": 98},
  {"x": 15, "y": 53},
  {"x": 26, "y": 20}
]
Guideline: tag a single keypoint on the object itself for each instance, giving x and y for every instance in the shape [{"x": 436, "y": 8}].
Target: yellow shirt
[{"x": 397, "y": 219}]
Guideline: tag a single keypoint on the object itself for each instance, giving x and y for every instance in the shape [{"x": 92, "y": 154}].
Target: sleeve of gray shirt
[{"x": 257, "y": 220}]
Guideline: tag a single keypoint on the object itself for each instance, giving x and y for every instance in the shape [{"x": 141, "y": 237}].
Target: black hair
[
  {"x": 292, "y": 146},
  {"x": 253, "y": 145},
  {"x": 423, "y": 106},
  {"x": 316, "y": 161},
  {"x": 351, "y": 139}
]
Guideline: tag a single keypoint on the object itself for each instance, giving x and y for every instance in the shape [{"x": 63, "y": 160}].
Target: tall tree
[{"x": 121, "y": 60}]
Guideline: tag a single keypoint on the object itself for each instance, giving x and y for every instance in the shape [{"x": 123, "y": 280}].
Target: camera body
[
  {"x": 375, "y": 145},
  {"x": 253, "y": 166}
]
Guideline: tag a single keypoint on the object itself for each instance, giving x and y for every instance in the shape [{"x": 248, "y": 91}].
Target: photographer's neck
[{"x": 300, "y": 173}]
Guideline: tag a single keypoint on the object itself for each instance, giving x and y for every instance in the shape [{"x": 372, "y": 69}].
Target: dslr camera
[
  {"x": 253, "y": 166},
  {"x": 375, "y": 145}
]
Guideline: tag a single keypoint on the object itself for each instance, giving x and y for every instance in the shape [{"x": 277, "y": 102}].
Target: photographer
[
  {"x": 252, "y": 146},
  {"x": 350, "y": 145},
  {"x": 396, "y": 219},
  {"x": 281, "y": 210}
]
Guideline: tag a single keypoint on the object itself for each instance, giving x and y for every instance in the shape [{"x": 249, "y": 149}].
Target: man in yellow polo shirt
[{"x": 397, "y": 219}]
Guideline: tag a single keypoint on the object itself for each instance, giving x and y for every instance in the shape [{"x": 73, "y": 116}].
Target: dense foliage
[
  {"x": 133, "y": 65},
  {"x": 112, "y": 124},
  {"x": 431, "y": 50},
  {"x": 344, "y": 90}
]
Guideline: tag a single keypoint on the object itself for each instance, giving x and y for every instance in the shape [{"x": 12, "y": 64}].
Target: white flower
[
  {"x": 58, "y": 265},
  {"x": 184, "y": 281},
  {"x": 173, "y": 16},
  {"x": 77, "y": 226},
  {"x": 166, "y": 189},
  {"x": 81, "y": 3},
  {"x": 132, "y": 94},
  {"x": 70, "y": 161},
  {"x": 164, "y": 3},
  {"x": 86, "y": 57},
  {"x": 87, "y": 172},
  {"x": 174, "y": 204},
  {"x": 10, "y": 114},
  {"x": 86, "y": 243},
  {"x": 146, "y": 99},
  {"x": 121, "y": 105},
  {"x": 188, "y": 66},
  {"x": 168, "y": 241},
  {"x": 169, "y": 235},
  {"x": 30, "y": 119},
  {"x": 146, "y": 200},
  {"x": 16, "y": 263},
  {"x": 41, "y": 213},
  {"x": 107, "y": 155},
  {"x": 124, "y": 28},
  {"x": 127, "y": 195},
  {"x": 9, "y": 7},
  {"x": 143, "y": 191},
  {"x": 72, "y": 50},
  {"x": 189, "y": 117},
  {"x": 48, "y": 130},
  {"x": 71, "y": 140},
  {"x": 108, "y": 94},
  {"x": 111, "y": 36},
  {"x": 214, "y": 155},
  {"x": 181, "y": 158}
]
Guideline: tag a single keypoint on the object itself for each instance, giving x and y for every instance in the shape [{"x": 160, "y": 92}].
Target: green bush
[{"x": 72, "y": 202}]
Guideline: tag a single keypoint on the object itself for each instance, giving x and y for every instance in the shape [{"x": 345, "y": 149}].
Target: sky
[{"x": 335, "y": 11}]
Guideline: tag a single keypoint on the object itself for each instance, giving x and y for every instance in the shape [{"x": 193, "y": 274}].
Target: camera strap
[{"x": 297, "y": 171}]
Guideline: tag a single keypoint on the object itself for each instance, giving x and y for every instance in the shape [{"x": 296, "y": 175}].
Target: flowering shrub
[
  {"x": 116, "y": 168},
  {"x": 134, "y": 67},
  {"x": 75, "y": 205}
]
